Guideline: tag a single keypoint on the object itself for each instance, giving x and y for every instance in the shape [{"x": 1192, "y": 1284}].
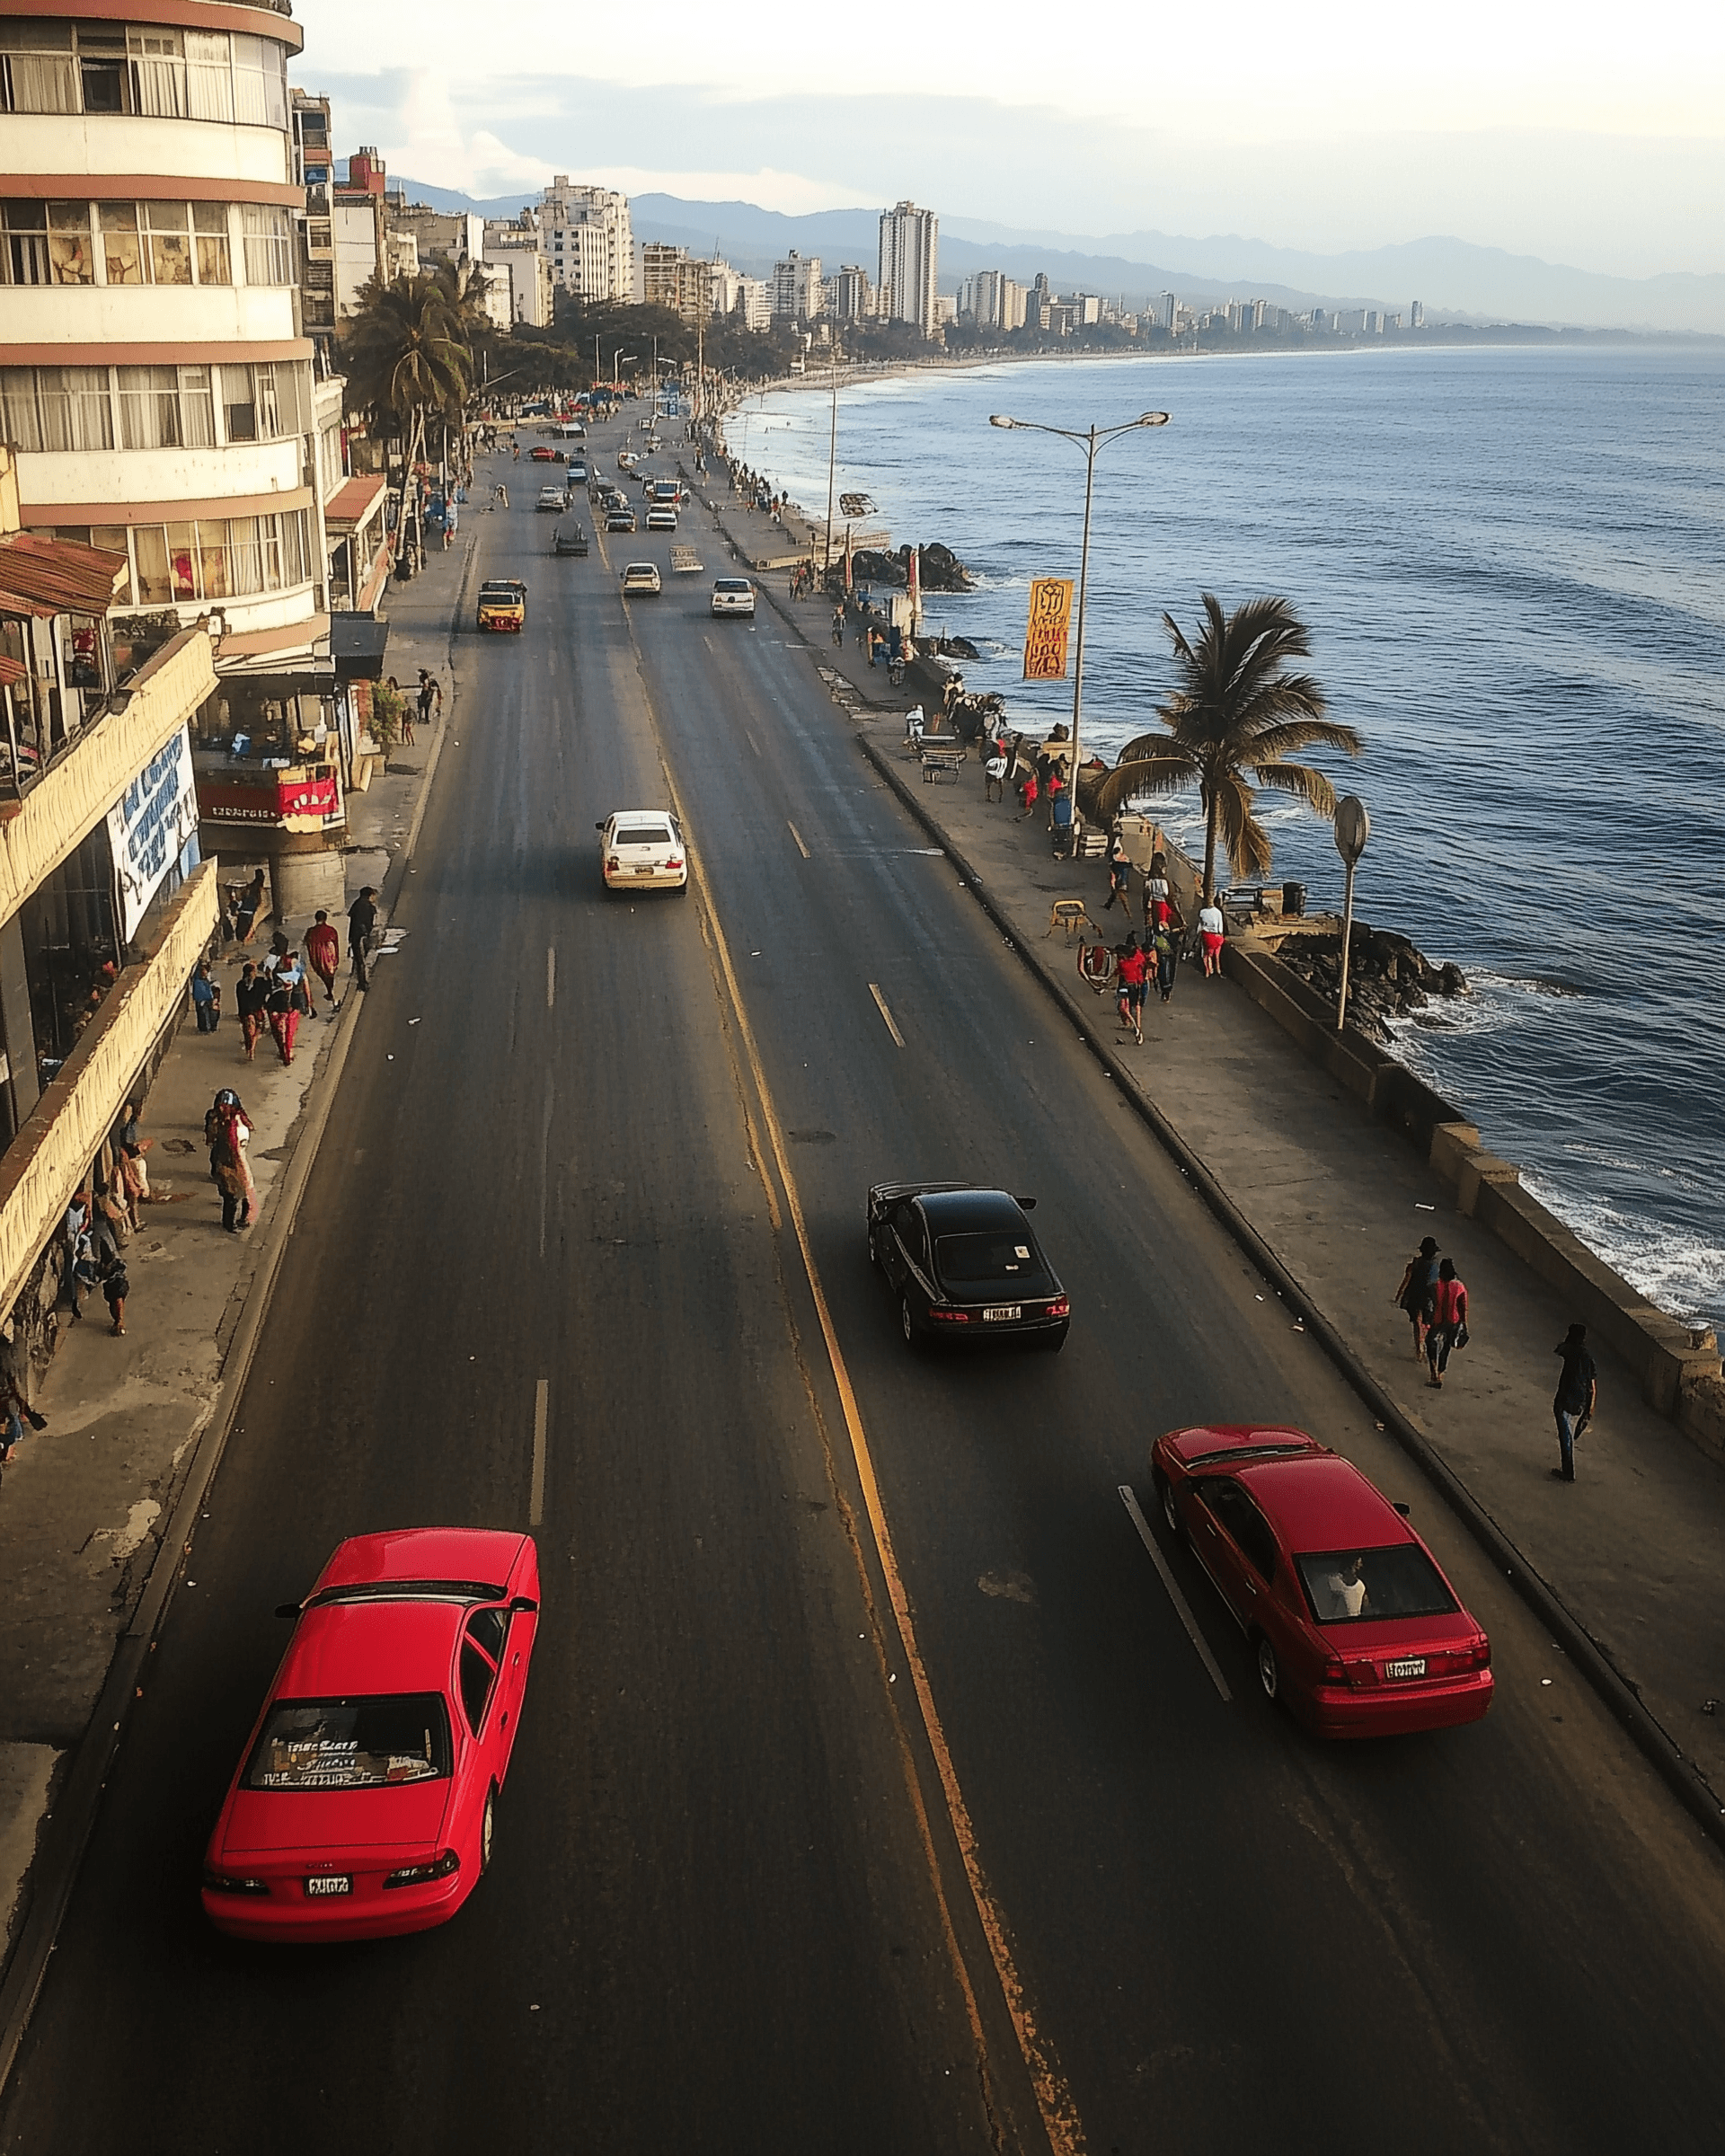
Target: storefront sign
[
  {"x": 304, "y": 797},
  {"x": 149, "y": 828},
  {"x": 1045, "y": 636}
]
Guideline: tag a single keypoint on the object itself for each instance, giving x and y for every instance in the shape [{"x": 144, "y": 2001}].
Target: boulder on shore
[{"x": 1387, "y": 976}]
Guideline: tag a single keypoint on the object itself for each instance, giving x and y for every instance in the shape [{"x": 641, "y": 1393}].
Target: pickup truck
[{"x": 503, "y": 604}]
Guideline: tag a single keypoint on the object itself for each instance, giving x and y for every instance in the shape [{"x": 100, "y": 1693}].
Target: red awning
[
  {"x": 57, "y": 576},
  {"x": 353, "y": 501}
]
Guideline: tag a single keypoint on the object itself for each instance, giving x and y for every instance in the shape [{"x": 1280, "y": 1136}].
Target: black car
[
  {"x": 570, "y": 538},
  {"x": 963, "y": 1264},
  {"x": 620, "y": 520}
]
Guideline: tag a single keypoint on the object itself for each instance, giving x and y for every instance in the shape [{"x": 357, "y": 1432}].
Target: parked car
[
  {"x": 659, "y": 519},
  {"x": 1349, "y": 1616},
  {"x": 568, "y": 538},
  {"x": 642, "y": 849},
  {"x": 364, "y": 1802},
  {"x": 639, "y": 576},
  {"x": 733, "y": 595},
  {"x": 554, "y": 499},
  {"x": 963, "y": 1264}
]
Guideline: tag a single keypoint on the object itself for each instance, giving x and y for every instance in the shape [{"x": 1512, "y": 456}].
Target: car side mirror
[
  {"x": 599, "y": 826},
  {"x": 1405, "y": 1510},
  {"x": 286, "y": 1609},
  {"x": 1029, "y": 1204},
  {"x": 524, "y": 1605}
]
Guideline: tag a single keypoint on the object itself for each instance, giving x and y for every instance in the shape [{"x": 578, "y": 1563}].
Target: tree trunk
[{"x": 1209, "y": 853}]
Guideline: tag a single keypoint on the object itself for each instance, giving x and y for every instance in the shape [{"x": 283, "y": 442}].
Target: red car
[
  {"x": 364, "y": 1803},
  {"x": 540, "y": 454},
  {"x": 1349, "y": 1615}
]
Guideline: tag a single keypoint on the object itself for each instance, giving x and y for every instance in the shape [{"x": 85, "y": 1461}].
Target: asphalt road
[{"x": 765, "y": 1882}]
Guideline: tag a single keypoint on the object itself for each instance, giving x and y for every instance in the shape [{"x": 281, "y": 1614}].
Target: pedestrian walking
[
  {"x": 1027, "y": 794},
  {"x": 1164, "y": 949},
  {"x": 82, "y": 1270},
  {"x": 250, "y": 996},
  {"x": 362, "y": 919},
  {"x": 206, "y": 998},
  {"x": 131, "y": 1171},
  {"x": 245, "y": 914},
  {"x": 323, "y": 955},
  {"x": 1448, "y": 1327},
  {"x": 1577, "y": 1396},
  {"x": 1212, "y": 933},
  {"x": 16, "y": 1411},
  {"x": 1120, "y": 877},
  {"x": 227, "y": 1132},
  {"x": 1157, "y": 893},
  {"x": 994, "y": 773},
  {"x": 1133, "y": 974},
  {"x": 1418, "y": 1292},
  {"x": 115, "y": 1288},
  {"x": 838, "y": 625}
]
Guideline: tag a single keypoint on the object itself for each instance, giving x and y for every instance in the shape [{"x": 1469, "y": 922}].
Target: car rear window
[
  {"x": 642, "y": 835},
  {"x": 997, "y": 1261},
  {"x": 375, "y": 1742},
  {"x": 730, "y": 584},
  {"x": 1348, "y": 1587}
]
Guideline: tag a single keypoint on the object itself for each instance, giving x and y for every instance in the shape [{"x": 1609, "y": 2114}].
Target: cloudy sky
[{"x": 1576, "y": 132}]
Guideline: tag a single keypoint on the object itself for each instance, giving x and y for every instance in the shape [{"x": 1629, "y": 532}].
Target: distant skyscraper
[
  {"x": 910, "y": 244},
  {"x": 1162, "y": 314},
  {"x": 1417, "y": 315}
]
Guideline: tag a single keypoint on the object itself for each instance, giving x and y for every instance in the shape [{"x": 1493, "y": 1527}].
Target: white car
[
  {"x": 733, "y": 595},
  {"x": 553, "y": 497},
  {"x": 661, "y": 520},
  {"x": 639, "y": 576},
  {"x": 642, "y": 849}
]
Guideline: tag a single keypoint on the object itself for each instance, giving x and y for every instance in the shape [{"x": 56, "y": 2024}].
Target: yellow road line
[
  {"x": 881, "y": 1005},
  {"x": 797, "y": 835}
]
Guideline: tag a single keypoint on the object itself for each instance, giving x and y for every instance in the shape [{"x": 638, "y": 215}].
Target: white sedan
[
  {"x": 734, "y": 595},
  {"x": 642, "y": 849},
  {"x": 639, "y": 576}
]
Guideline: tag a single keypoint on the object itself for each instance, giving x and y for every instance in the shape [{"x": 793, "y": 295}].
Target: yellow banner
[{"x": 1045, "y": 638}]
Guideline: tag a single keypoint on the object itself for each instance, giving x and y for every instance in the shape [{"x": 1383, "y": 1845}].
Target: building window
[
  {"x": 122, "y": 253},
  {"x": 159, "y": 73},
  {"x": 158, "y": 62},
  {"x": 101, "y": 66},
  {"x": 210, "y": 224},
  {"x": 219, "y": 558},
  {"x": 165, "y": 408},
  {"x": 269, "y": 235},
  {"x": 167, "y": 228},
  {"x": 267, "y": 402},
  {"x": 45, "y": 409},
  {"x": 40, "y": 72},
  {"x": 136, "y": 244},
  {"x": 260, "y": 82}
]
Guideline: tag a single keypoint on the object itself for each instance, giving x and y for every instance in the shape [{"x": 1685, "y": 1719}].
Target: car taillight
[
  {"x": 1335, "y": 1670},
  {"x": 1059, "y": 1308},
  {"x": 1479, "y": 1655},
  {"x": 417, "y": 1874},
  {"x": 950, "y": 1317},
  {"x": 227, "y": 1882},
  {"x": 676, "y": 861},
  {"x": 614, "y": 862}
]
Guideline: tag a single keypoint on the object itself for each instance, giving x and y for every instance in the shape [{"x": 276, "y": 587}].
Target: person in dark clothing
[
  {"x": 245, "y": 914},
  {"x": 1577, "y": 1395},
  {"x": 362, "y": 919},
  {"x": 1417, "y": 1289},
  {"x": 251, "y": 1000},
  {"x": 1448, "y": 1327},
  {"x": 1120, "y": 877},
  {"x": 115, "y": 1288}
]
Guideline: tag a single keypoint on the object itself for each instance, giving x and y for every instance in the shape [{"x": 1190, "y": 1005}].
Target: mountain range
[{"x": 1456, "y": 280}]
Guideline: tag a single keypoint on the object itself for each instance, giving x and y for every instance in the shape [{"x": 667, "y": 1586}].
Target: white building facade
[
  {"x": 910, "y": 248},
  {"x": 589, "y": 240}
]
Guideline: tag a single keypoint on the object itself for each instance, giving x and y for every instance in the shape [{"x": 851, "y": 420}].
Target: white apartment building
[
  {"x": 589, "y": 240},
  {"x": 910, "y": 247},
  {"x": 798, "y": 292},
  {"x": 753, "y": 305},
  {"x": 849, "y": 295},
  {"x": 154, "y": 379}
]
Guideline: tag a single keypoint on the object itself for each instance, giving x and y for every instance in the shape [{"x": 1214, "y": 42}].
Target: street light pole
[
  {"x": 832, "y": 466},
  {"x": 1090, "y": 441}
]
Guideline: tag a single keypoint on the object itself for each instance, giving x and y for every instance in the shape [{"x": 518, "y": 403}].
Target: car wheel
[
  {"x": 907, "y": 1325},
  {"x": 1269, "y": 1671},
  {"x": 487, "y": 1822},
  {"x": 1170, "y": 1510}
]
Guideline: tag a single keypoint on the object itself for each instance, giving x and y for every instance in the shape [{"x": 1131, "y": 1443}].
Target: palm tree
[
  {"x": 408, "y": 355},
  {"x": 1236, "y": 718}
]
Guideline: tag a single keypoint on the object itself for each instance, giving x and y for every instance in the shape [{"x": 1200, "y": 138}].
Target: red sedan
[
  {"x": 1349, "y": 1613},
  {"x": 363, "y": 1805}
]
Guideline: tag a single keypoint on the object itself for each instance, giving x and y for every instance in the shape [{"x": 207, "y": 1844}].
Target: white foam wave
[{"x": 1682, "y": 1273}]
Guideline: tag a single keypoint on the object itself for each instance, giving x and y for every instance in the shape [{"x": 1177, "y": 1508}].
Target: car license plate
[
  {"x": 1004, "y": 1309},
  {"x": 1414, "y": 1666},
  {"x": 326, "y": 1883},
  {"x": 646, "y": 871}
]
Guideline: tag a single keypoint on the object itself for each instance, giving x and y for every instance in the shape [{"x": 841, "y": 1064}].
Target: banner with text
[
  {"x": 149, "y": 827},
  {"x": 1045, "y": 638}
]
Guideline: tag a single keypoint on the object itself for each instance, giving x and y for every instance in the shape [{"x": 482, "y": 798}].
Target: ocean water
[{"x": 1512, "y": 563}]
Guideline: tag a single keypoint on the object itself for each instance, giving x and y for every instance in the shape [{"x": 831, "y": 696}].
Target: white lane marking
[
  {"x": 537, "y": 1498},
  {"x": 881, "y": 1005},
  {"x": 797, "y": 835},
  {"x": 551, "y": 657},
  {"x": 708, "y": 641},
  {"x": 1182, "y": 1608},
  {"x": 551, "y": 977},
  {"x": 753, "y": 743}
]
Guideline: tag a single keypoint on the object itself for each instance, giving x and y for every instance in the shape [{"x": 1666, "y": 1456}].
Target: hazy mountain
[{"x": 1453, "y": 277}]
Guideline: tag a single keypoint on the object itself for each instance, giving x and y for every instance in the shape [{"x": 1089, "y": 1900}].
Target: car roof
[
  {"x": 424, "y": 1553},
  {"x": 957, "y": 1212},
  {"x": 358, "y": 1647},
  {"x": 1322, "y": 1502}
]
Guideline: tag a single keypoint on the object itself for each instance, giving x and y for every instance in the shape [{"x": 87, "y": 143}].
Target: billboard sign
[{"x": 1045, "y": 633}]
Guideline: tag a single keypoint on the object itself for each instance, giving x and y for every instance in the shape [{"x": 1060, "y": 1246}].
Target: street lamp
[
  {"x": 1090, "y": 441},
  {"x": 1353, "y": 828}
]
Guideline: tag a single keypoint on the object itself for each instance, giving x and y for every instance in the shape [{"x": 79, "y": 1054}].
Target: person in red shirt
[
  {"x": 323, "y": 955},
  {"x": 1133, "y": 976},
  {"x": 1448, "y": 1321}
]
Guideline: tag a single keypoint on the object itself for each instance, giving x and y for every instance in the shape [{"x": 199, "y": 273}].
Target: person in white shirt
[
  {"x": 1347, "y": 1589},
  {"x": 1211, "y": 929}
]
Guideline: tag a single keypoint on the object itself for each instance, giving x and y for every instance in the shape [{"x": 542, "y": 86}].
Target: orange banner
[{"x": 1045, "y": 636}]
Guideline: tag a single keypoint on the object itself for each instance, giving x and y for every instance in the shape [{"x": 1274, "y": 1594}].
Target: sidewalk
[
  {"x": 87, "y": 1501},
  {"x": 1631, "y": 1550}
]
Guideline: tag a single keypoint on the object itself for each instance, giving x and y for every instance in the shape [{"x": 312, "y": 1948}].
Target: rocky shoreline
[{"x": 1388, "y": 977}]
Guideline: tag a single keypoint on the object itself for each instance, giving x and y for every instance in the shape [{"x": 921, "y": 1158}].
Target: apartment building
[
  {"x": 589, "y": 240},
  {"x": 157, "y": 385},
  {"x": 671, "y": 278},
  {"x": 910, "y": 248},
  {"x": 753, "y": 305},
  {"x": 798, "y": 292},
  {"x": 516, "y": 248}
]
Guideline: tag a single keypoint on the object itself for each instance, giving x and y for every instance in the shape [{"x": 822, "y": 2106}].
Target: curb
[
  {"x": 1618, "y": 1695},
  {"x": 66, "y": 1830}
]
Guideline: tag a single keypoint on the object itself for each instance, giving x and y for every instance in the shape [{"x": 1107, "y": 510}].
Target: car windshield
[
  {"x": 642, "y": 835},
  {"x": 372, "y": 1743},
  {"x": 999, "y": 1262},
  {"x": 1348, "y": 1586}
]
